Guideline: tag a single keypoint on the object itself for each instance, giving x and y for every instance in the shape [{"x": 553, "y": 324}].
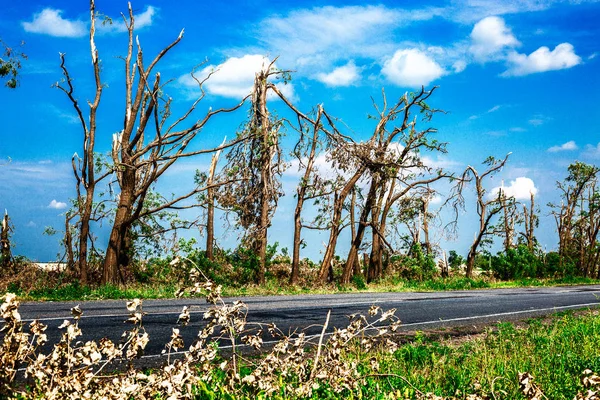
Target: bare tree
[
  {"x": 139, "y": 158},
  {"x": 487, "y": 207},
  {"x": 5, "y": 253},
  {"x": 308, "y": 187},
  {"x": 577, "y": 217},
  {"x": 210, "y": 206},
  {"x": 84, "y": 167},
  {"x": 510, "y": 217},
  {"x": 530, "y": 221},
  {"x": 384, "y": 165},
  {"x": 258, "y": 162}
]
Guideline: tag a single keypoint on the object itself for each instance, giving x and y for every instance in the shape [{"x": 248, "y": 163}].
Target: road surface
[{"x": 417, "y": 310}]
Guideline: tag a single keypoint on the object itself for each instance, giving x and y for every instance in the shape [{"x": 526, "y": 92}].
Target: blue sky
[{"x": 518, "y": 77}]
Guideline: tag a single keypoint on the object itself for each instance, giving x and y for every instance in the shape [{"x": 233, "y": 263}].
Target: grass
[
  {"x": 555, "y": 350},
  {"x": 75, "y": 292}
]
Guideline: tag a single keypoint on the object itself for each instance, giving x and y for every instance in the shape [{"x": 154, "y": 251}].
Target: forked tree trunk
[
  {"x": 360, "y": 232},
  {"x": 334, "y": 232},
  {"x": 301, "y": 194}
]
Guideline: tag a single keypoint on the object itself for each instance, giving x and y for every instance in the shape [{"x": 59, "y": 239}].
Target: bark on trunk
[
  {"x": 334, "y": 232},
  {"x": 210, "y": 209},
  {"x": 302, "y": 187},
  {"x": 116, "y": 252},
  {"x": 5, "y": 242},
  {"x": 360, "y": 232}
]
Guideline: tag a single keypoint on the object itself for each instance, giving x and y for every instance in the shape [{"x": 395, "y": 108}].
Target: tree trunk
[
  {"x": 357, "y": 268},
  {"x": 210, "y": 225},
  {"x": 210, "y": 209},
  {"x": 116, "y": 252},
  {"x": 334, "y": 232},
  {"x": 472, "y": 254},
  {"x": 338, "y": 205},
  {"x": 84, "y": 230},
  {"x": 360, "y": 232},
  {"x": 294, "y": 273},
  {"x": 5, "y": 242},
  {"x": 302, "y": 186}
]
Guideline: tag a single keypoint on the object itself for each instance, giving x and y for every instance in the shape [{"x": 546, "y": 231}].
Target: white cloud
[
  {"x": 459, "y": 66},
  {"x": 315, "y": 35},
  {"x": 521, "y": 189},
  {"x": 490, "y": 37},
  {"x": 539, "y": 120},
  {"x": 50, "y": 22},
  {"x": 591, "y": 151},
  {"x": 563, "y": 56},
  {"x": 494, "y": 109},
  {"x": 57, "y": 205},
  {"x": 345, "y": 75},
  {"x": 570, "y": 145},
  {"x": 468, "y": 11},
  {"x": 411, "y": 68},
  {"x": 315, "y": 40},
  {"x": 141, "y": 21},
  {"x": 235, "y": 77}
]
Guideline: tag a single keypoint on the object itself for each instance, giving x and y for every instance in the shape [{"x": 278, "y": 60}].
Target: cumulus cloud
[
  {"x": 57, "y": 205},
  {"x": 520, "y": 188},
  {"x": 234, "y": 78},
  {"x": 570, "y": 145},
  {"x": 345, "y": 75},
  {"x": 490, "y": 37},
  {"x": 141, "y": 20},
  {"x": 562, "y": 57},
  {"x": 411, "y": 68},
  {"x": 50, "y": 22}
]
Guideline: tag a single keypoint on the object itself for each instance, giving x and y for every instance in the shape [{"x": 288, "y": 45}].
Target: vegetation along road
[{"x": 418, "y": 311}]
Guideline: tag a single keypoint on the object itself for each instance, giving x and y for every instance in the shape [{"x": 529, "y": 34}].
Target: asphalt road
[{"x": 418, "y": 311}]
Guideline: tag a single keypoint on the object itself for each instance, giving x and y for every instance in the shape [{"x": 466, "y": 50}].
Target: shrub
[{"x": 517, "y": 263}]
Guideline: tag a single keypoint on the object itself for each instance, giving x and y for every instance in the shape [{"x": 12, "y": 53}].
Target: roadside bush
[
  {"x": 557, "y": 266},
  {"x": 414, "y": 266},
  {"x": 517, "y": 263}
]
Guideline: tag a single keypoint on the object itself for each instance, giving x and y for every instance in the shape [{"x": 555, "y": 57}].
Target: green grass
[
  {"x": 74, "y": 291},
  {"x": 555, "y": 351}
]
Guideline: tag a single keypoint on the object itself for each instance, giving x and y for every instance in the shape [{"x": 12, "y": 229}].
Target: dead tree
[
  {"x": 5, "y": 253},
  {"x": 487, "y": 208},
  {"x": 84, "y": 167},
  {"x": 530, "y": 221},
  {"x": 308, "y": 187},
  {"x": 210, "y": 206},
  {"x": 384, "y": 165},
  {"x": 509, "y": 218},
  {"x": 573, "y": 190},
  {"x": 150, "y": 142},
  {"x": 257, "y": 162}
]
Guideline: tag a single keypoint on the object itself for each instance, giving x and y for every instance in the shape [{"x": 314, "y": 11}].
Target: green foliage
[
  {"x": 417, "y": 265},
  {"x": 359, "y": 282},
  {"x": 517, "y": 263},
  {"x": 10, "y": 64},
  {"x": 455, "y": 260}
]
